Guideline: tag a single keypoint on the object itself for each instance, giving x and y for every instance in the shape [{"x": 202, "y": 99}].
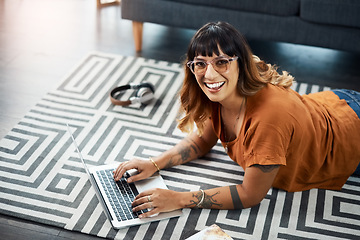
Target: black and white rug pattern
[{"x": 42, "y": 179}]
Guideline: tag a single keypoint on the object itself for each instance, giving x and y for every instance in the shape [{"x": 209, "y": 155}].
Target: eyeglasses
[{"x": 220, "y": 64}]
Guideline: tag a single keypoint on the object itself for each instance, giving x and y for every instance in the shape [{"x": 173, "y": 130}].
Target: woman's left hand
[{"x": 157, "y": 200}]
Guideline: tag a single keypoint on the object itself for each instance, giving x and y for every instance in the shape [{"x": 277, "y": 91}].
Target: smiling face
[{"x": 219, "y": 87}]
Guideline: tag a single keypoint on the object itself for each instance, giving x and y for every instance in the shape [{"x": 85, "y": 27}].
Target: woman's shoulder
[
  {"x": 324, "y": 96},
  {"x": 272, "y": 100}
]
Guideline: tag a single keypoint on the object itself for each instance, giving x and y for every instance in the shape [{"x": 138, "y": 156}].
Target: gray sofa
[{"x": 331, "y": 24}]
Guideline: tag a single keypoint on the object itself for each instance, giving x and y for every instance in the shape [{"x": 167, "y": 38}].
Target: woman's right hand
[{"x": 145, "y": 169}]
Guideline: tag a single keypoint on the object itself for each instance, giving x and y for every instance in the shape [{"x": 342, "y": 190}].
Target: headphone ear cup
[
  {"x": 145, "y": 95},
  {"x": 147, "y": 85}
]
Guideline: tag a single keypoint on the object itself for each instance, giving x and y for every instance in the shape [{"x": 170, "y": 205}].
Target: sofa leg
[{"x": 137, "y": 32}]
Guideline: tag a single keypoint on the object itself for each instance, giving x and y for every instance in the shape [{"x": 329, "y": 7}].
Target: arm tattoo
[
  {"x": 208, "y": 201},
  {"x": 266, "y": 168},
  {"x": 235, "y": 198},
  {"x": 193, "y": 203},
  {"x": 170, "y": 163},
  {"x": 195, "y": 147},
  {"x": 182, "y": 156},
  {"x": 184, "y": 153}
]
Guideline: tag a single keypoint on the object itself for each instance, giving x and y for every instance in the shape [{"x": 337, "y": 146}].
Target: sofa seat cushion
[
  {"x": 334, "y": 12},
  {"x": 272, "y": 7}
]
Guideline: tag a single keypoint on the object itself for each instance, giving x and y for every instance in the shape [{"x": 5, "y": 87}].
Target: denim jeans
[{"x": 353, "y": 100}]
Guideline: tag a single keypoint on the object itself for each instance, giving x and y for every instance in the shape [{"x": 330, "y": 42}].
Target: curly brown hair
[{"x": 254, "y": 73}]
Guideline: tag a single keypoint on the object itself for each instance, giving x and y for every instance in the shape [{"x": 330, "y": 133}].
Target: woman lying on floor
[{"x": 281, "y": 139}]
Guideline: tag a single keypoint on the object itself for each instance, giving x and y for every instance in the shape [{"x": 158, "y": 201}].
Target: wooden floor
[{"x": 41, "y": 41}]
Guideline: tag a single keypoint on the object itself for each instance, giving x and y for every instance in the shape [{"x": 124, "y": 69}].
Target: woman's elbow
[
  {"x": 252, "y": 203},
  {"x": 242, "y": 199},
  {"x": 252, "y": 200}
]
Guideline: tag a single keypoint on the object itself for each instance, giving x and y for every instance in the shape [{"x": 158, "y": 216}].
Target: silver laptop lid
[{"x": 77, "y": 149}]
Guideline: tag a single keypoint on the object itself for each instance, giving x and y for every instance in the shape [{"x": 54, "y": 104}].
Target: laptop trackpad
[{"x": 149, "y": 183}]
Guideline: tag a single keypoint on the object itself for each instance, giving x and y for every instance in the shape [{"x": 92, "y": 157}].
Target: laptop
[{"x": 116, "y": 196}]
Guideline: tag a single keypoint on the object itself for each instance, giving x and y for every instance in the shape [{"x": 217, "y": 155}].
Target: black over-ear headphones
[{"x": 144, "y": 94}]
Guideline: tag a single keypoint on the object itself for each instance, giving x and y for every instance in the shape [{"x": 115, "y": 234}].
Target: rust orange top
[{"x": 315, "y": 138}]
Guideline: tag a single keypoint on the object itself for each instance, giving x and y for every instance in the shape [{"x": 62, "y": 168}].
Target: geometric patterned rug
[{"x": 42, "y": 179}]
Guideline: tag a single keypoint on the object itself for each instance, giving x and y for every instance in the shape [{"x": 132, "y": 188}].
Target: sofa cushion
[
  {"x": 272, "y": 7},
  {"x": 334, "y": 12}
]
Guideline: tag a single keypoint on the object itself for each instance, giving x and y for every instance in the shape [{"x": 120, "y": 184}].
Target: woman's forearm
[
  {"x": 226, "y": 197},
  {"x": 256, "y": 184},
  {"x": 190, "y": 148}
]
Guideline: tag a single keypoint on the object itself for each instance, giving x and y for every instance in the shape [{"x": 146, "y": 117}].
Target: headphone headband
[{"x": 145, "y": 92}]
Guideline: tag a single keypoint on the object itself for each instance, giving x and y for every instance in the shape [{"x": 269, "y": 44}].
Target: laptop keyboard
[{"x": 120, "y": 194}]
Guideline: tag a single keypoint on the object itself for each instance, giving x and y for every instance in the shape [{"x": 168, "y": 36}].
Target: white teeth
[{"x": 214, "y": 85}]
